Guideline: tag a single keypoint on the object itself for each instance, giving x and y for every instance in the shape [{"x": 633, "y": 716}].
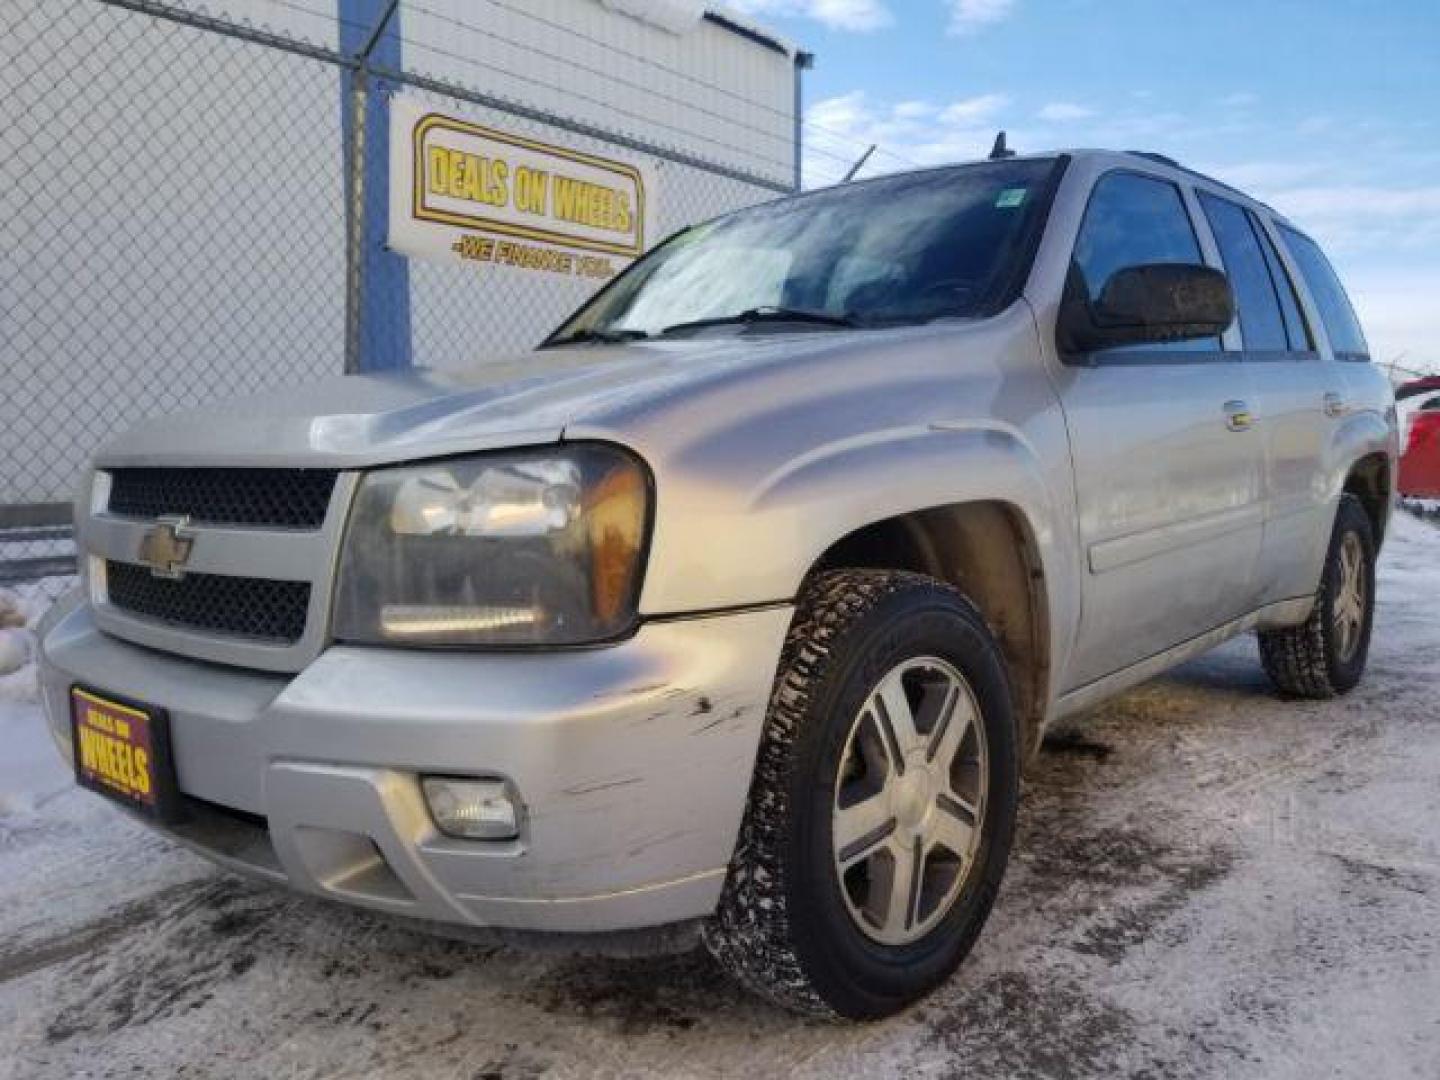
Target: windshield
[{"x": 941, "y": 243}]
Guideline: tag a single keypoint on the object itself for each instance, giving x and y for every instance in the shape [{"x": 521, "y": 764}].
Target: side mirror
[{"x": 1155, "y": 302}]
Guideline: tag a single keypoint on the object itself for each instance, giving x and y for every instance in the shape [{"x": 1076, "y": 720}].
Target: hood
[{"x": 523, "y": 400}]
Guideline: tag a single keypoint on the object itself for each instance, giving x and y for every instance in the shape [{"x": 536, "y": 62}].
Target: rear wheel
[
  {"x": 1326, "y": 654},
  {"x": 883, "y": 802}
]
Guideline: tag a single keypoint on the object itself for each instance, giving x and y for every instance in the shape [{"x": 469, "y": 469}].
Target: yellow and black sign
[
  {"x": 459, "y": 188},
  {"x": 122, "y": 751}
]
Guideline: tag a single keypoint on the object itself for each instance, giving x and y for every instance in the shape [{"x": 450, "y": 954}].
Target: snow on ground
[
  {"x": 1209, "y": 882},
  {"x": 30, "y": 771}
]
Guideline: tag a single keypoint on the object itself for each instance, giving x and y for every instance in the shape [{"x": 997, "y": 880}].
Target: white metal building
[{"x": 177, "y": 191}]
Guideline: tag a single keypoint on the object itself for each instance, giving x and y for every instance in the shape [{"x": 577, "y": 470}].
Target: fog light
[{"x": 472, "y": 809}]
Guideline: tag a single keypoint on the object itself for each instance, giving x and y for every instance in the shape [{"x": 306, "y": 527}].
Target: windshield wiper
[
  {"x": 591, "y": 336},
  {"x": 763, "y": 315}
]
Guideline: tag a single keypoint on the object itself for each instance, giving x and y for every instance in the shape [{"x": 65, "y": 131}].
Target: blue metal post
[{"x": 381, "y": 329}]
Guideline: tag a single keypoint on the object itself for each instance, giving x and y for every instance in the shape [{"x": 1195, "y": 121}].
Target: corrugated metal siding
[
  {"x": 711, "y": 92},
  {"x": 303, "y": 20}
]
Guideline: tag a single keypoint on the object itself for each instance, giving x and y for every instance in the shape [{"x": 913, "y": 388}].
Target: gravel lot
[{"x": 1208, "y": 882}]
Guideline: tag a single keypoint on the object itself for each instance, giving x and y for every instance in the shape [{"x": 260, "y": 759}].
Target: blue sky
[{"x": 1327, "y": 109}]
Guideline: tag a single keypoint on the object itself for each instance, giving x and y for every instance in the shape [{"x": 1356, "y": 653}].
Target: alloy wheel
[
  {"x": 909, "y": 801},
  {"x": 1349, "y": 604}
]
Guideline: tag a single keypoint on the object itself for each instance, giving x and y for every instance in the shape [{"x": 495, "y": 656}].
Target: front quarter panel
[{"x": 760, "y": 473}]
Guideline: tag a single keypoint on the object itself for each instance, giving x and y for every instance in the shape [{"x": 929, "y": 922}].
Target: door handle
[
  {"x": 1238, "y": 416},
  {"x": 1334, "y": 404}
]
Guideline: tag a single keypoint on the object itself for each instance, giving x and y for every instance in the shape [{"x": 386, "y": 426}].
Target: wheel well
[
  {"x": 986, "y": 550},
  {"x": 1369, "y": 481}
]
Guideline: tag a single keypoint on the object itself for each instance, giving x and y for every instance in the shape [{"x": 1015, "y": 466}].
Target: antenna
[
  {"x": 999, "y": 152},
  {"x": 856, "y": 167}
]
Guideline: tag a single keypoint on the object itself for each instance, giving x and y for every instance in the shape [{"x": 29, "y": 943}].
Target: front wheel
[
  {"x": 1325, "y": 655},
  {"x": 883, "y": 802}
]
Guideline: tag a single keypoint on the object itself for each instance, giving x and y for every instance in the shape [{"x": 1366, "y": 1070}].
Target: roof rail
[{"x": 1151, "y": 155}]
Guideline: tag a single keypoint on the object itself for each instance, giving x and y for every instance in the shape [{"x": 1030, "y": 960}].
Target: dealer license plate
[{"x": 123, "y": 750}]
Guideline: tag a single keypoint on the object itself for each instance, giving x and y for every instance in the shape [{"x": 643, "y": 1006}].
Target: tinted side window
[
  {"x": 1133, "y": 220},
  {"x": 1346, "y": 339},
  {"x": 1261, "y": 324},
  {"x": 1295, "y": 328}
]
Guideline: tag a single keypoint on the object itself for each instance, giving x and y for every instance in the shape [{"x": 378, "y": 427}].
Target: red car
[{"x": 1420, "y": 462}]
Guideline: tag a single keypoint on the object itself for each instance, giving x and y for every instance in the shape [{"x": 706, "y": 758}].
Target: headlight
[{"x": 523, "y": 548}]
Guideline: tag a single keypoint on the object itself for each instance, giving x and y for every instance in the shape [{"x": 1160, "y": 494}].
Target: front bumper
[{"x": 632, "y": 763}]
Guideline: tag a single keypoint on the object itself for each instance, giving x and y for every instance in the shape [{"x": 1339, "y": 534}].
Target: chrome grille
[
  {"x": 259, "y": 609},
  {"x": 277, "y": 498}
]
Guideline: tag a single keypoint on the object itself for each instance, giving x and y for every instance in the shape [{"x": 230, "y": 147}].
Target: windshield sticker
[{"x": 1010, "y": 198}]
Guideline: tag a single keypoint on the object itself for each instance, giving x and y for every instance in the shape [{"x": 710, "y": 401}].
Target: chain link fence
[{"x": 182, "y": 220}]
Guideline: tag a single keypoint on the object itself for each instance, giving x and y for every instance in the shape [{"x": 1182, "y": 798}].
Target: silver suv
[{"x": 740, "y": 605}]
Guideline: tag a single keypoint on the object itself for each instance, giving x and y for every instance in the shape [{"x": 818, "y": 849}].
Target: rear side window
[
  {"x": 1133, "y": 220},
  {"x": 1258, "y": 306},
  {"x": 1295, "y": 328},
  {"x": 1346, "y": 339}
]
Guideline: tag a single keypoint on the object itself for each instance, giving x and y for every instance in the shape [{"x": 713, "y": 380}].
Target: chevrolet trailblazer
[{"x": 741, "y": 603}]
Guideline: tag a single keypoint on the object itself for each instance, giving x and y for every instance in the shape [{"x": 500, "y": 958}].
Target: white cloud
[
  {"x": 915, "y": 110},
  {"x": 854, "y": 15},
  {"x": 1239, "y": 100},
  {"x": 1262, "y": 177},
  {"x": 1060, "y": 111},
  {"x": 968, "y": 16},
  {"x": 841, "y": 115},
  {"x": 1133, "y": 127},
  {"x": 908, "y": 134},
  {"x": 973, "y": 110},
  {"x": 1364, "y": 219},
  {"x": 851, "y": 14}
]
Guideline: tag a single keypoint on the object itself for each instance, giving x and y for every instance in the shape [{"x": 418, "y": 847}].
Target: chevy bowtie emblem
[{"x": 165, "y": 548}]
